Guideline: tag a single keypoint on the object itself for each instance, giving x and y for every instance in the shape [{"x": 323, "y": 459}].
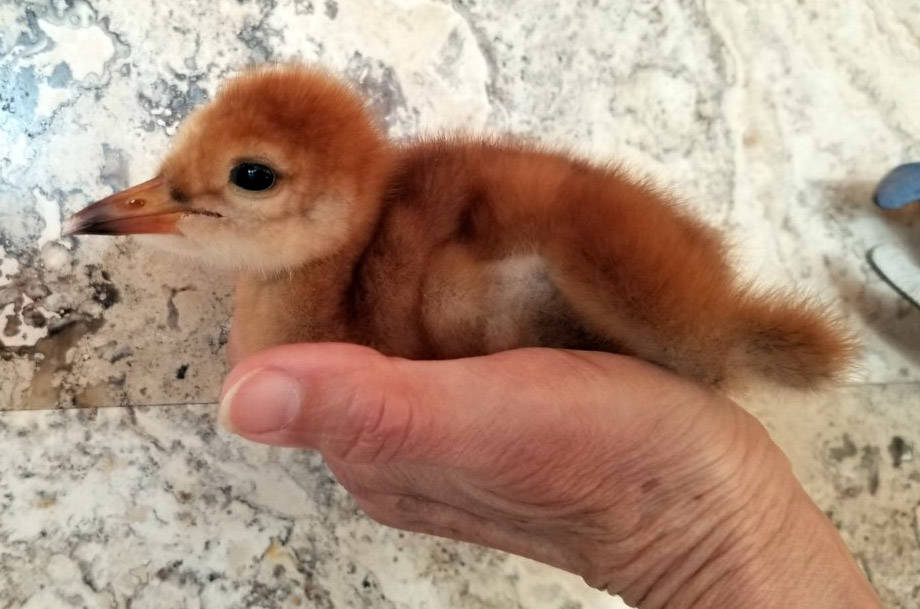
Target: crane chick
[{"x": 451, "y": 246}]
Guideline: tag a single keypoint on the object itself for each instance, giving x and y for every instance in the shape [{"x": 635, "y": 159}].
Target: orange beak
[{"x": 145, "y": 208}]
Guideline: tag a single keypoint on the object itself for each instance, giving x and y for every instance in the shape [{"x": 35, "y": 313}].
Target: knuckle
[{"x": 380, "y": 423}]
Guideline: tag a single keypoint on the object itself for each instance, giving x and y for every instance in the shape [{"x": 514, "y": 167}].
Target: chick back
[{"x": 484, "y": 246}]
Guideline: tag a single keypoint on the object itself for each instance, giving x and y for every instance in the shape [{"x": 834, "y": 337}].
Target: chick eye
[{"x": 252, "y": 176}]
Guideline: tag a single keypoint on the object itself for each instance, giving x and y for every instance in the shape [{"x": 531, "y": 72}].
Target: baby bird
[{"x": 450, "y": 247}]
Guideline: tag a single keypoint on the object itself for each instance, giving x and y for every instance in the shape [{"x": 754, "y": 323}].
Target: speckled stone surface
[
  {"x": 774, "y": 120},
  {"x": 154, "y": 507},
  {"x": 855, "y": 451},
  {"x": 151, "y": 508},
  {"x": 769, "y": 120}
]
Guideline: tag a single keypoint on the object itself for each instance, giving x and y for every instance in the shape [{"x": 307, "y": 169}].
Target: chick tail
[{"x": 792, "y": 341}]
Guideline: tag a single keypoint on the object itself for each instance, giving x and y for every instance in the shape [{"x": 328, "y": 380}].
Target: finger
[
  {"x": 342, "y": 399},
  {"x": 358, "y": 406}
]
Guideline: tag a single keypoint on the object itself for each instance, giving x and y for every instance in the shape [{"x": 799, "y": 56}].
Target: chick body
[
  {"x": 454, "y": 246},
  {"x": 482, "y": 246}
]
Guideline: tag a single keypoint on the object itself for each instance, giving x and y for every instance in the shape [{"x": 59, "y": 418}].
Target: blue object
[{"x": 899, "y": 187}]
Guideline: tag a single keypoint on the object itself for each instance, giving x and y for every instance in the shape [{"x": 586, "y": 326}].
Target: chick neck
[{"x": 311, "y": 302}]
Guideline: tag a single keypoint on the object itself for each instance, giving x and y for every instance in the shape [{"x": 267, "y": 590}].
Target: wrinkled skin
[{"x": 645, "y": 484}]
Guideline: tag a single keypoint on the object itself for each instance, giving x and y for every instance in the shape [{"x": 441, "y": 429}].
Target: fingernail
[{"x": 261, "y": 401}]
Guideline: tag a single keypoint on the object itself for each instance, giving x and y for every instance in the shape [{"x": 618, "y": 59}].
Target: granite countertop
[
  {"x": 772, "y": 120},
  {"x": 151, "y": 508}
]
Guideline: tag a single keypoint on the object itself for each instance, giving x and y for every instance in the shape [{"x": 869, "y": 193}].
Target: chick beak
[{"x": 145, "y": 208}]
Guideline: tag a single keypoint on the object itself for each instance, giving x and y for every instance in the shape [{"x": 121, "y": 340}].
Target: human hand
[{"x": 643, "y": 483}]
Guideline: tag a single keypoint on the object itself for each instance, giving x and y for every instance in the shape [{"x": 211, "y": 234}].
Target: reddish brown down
[{"x": 454, "y": 246}]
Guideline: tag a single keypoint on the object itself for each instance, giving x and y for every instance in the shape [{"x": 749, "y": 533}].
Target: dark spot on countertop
[
  {"x": 60, "y": 76},
  {"x": 332, "y": 8},
  {"x": 164, "y": 573},
  {"x": 172, "y": 313},
  {"x": 104, "y": 291},
  {"x": 121, "y": 354},
  {"x": 871, "y": 457},
  {"x": 303, "y": 7},
  {"x": 18, "y": 98},
  {"x": 379, "y": 84},
  {"x": 54, "y": 349},
  {"x": 33, "y": 317},
  {"x": 846, "y": 450},
  {"x": 900, "y": 451},
  {"x": 179, "y": 96},
  {"x": 106, "y": 294},
  {"x": 114, "y": 171},
  {"x": 261, "y": 595},
  {"x": 13, "y": 323},
  {"x": 851, "y": 492},
  {"x": 180, "y": 373},
  {"x": 257, "y": 35}
]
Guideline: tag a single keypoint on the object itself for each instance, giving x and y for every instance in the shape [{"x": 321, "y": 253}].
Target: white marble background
[
  {"x": 148, "y": 508},
  {"x": 773, "y": 119}
]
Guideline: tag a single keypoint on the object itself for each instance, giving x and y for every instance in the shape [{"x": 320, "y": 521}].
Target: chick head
[{"x": 281, "y": 168}]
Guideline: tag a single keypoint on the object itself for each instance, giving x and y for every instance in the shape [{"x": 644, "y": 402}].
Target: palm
[{"x": 554, "y": 444}]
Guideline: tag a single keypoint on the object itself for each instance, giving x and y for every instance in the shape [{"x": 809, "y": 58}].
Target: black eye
[{"x": 252, "y": 176}]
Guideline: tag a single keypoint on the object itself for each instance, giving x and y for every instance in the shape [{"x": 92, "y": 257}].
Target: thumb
[
  {"x": 347, "y": 401},
  {"x": 356, "y": 405}
]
